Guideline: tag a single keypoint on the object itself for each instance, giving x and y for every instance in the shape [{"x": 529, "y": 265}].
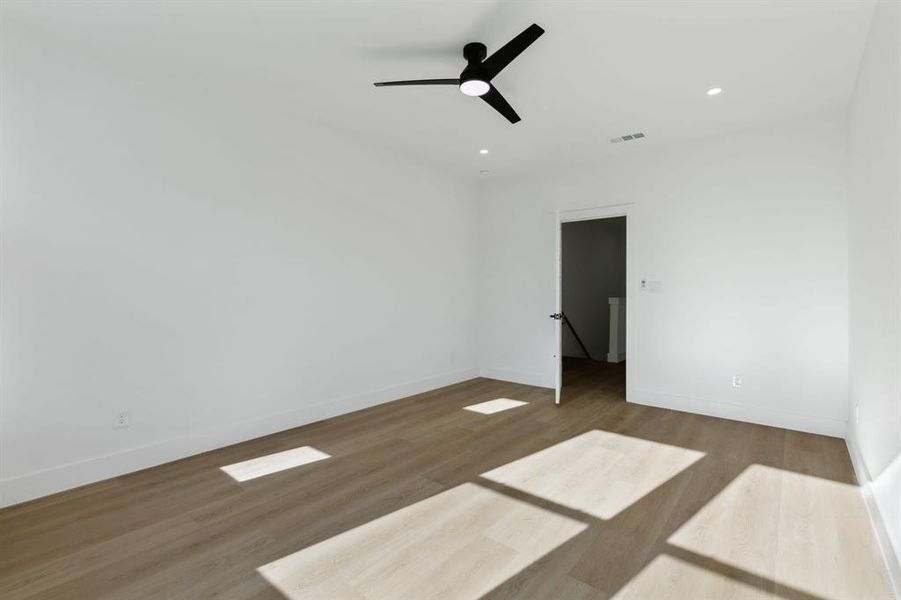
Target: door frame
[{"x": 591, "y": 214}]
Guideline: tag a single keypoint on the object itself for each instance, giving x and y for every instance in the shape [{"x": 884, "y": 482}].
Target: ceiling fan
[{"x": 475, "y": 80}]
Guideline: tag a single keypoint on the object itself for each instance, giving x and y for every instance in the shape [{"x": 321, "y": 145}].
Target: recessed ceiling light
[
  {"x": 714, "y": 91},
  {"x": 483, "y": 151}
]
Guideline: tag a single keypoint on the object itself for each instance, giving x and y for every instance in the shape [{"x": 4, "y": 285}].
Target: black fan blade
[
  {"x": 419, "y": 82},
  {"x": 498, "y": 103},
  {"x": 505, "y": 55}
]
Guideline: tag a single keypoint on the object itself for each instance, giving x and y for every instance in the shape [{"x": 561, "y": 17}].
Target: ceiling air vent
[{"x": 627, "y": 138}]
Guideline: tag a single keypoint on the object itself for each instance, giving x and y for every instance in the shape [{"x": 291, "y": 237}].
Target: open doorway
[{"x": 591, "y": 305}]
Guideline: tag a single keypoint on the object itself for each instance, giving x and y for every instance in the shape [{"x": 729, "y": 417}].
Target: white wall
[
  {"x": 747, "y": 234},
  {"x": 875, "y": 273},
  {"x": 594, "y": 269},
  {"x": 209, "y": 260}
]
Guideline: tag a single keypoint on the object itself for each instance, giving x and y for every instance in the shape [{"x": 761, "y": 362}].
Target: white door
[{"x": 558, "y": 317}]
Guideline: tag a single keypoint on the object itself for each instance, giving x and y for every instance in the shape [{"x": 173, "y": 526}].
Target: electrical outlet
[
  {"x": 736, "y": 381},
  {"x": 122, "y": 420},
  {"x": 857, "y": 413}
]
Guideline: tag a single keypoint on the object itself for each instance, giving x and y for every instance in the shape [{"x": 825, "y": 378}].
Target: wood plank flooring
[{"x": 419, "y": 498}]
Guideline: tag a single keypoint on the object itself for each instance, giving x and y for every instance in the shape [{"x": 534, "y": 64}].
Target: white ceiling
[{"x": 602, "y": 69}]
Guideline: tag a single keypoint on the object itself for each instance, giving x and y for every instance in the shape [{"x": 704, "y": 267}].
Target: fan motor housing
[{"x": 474, "y": 52}]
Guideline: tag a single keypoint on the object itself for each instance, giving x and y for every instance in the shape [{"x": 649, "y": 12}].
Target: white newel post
[{"x": 617, "y": 350}]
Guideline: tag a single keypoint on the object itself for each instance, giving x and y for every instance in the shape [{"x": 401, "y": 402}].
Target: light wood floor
[{"x": 419, "y": 498}]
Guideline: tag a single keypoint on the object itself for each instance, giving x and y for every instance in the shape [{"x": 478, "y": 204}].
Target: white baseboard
[
  {"x": 616, "y": 357},
  {"x": 42, "y": 483},
  {"x": 523, "y": 377},
  {"x": 885, "y": 545},
  {"x": 739, "y": 412}
]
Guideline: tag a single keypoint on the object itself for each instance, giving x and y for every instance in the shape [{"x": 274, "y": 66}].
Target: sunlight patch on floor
[
  {"x": 598, "y": 472},
  {"x": 493, "y": 406},
  {"x": 460, "y": 543},
  {"x": 805, "y": 532},
  {"x": 273, "y": 463},
  {"x": 670, "y": 577}
]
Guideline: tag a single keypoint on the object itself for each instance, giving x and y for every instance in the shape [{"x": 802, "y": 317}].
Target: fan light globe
[{"x": 474, "y": 87}]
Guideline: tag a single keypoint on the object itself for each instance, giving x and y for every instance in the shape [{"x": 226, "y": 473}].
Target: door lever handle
[{"x": 556, "y": 316}]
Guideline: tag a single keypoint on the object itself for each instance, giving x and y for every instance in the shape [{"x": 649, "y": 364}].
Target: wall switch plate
[
  {"x": 122, "y": 420},
  {"x": 736, "y": 381},
  {"x": 649, "y": 286},
  {"x": 857, "y": 413}
]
